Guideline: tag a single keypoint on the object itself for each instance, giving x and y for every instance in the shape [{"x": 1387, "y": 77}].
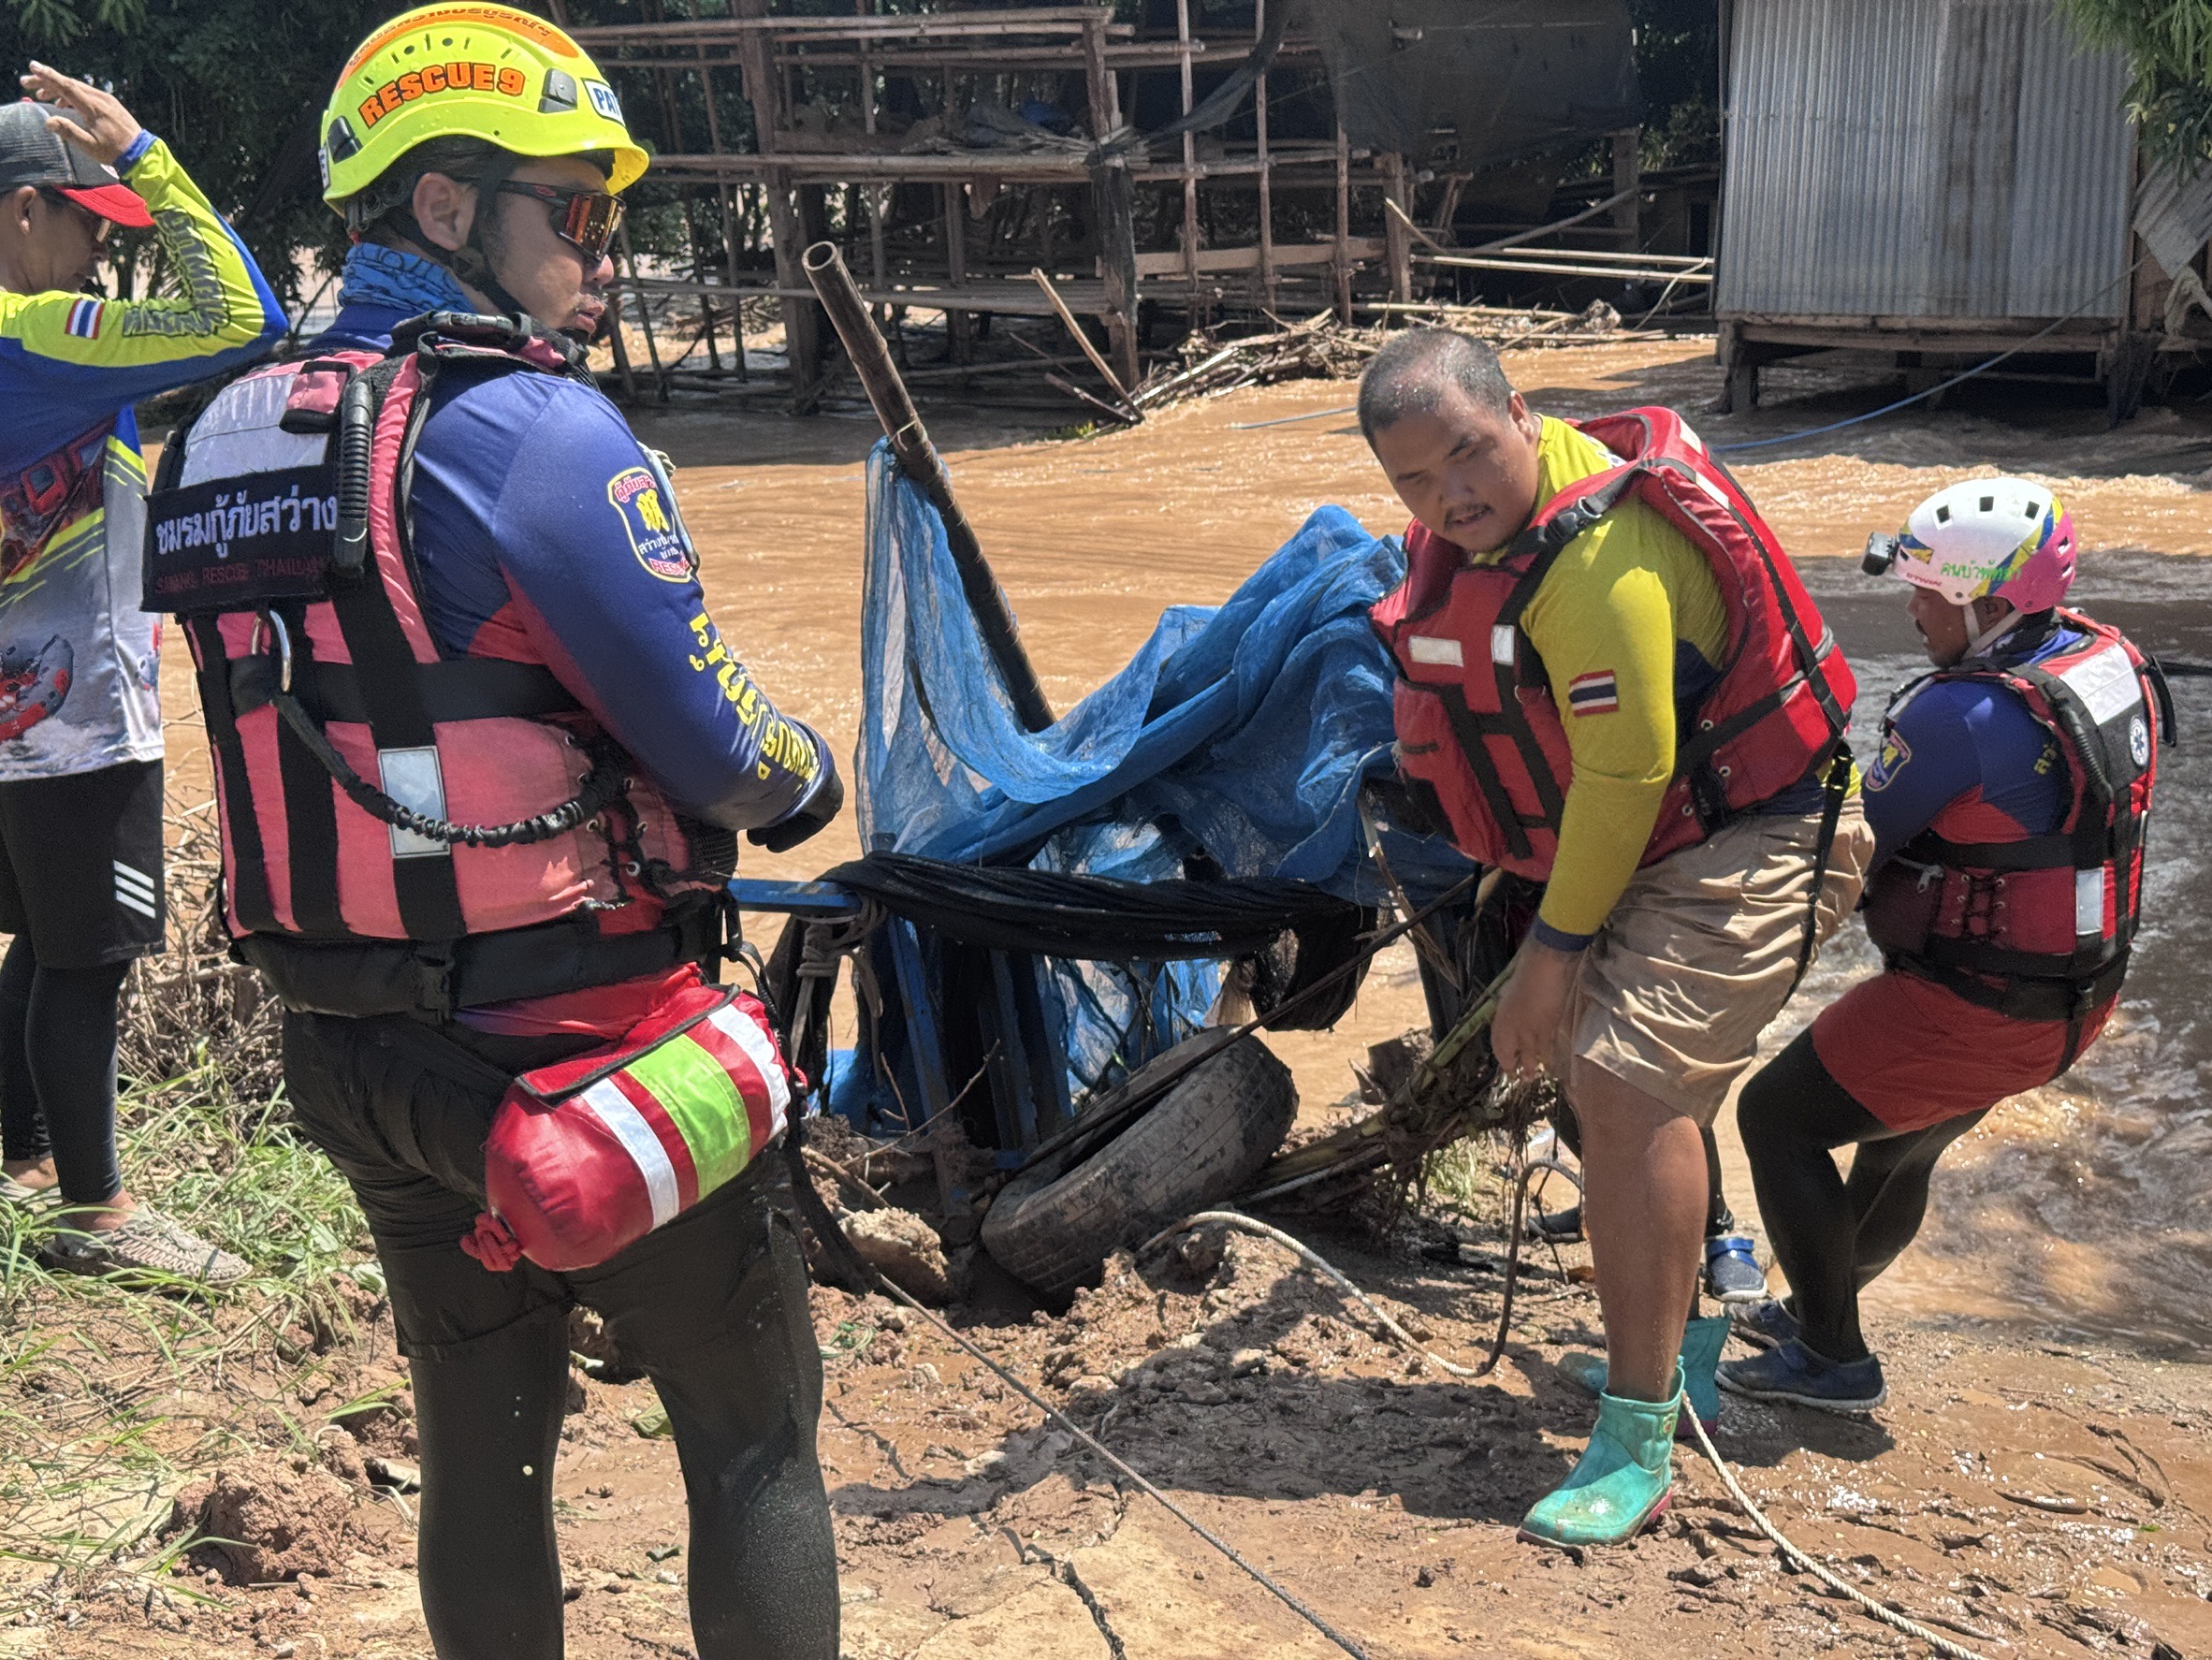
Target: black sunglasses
[
  {"x": 585, "y": 219},
  {"x": 55, "y": 198}
]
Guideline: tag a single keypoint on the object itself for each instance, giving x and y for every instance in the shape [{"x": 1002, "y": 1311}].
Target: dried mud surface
[
  {"x": 2037, "y": 1493},
  {"x": 2039, "y": 1502}
]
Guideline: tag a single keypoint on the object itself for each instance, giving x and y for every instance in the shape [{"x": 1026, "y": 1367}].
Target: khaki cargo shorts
[{"x": 1700, "y": 952}]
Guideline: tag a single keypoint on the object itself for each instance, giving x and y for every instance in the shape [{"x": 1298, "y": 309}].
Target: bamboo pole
[
  {"x": 1083, "y": 340},
  {"x": 918, "y": 458}
]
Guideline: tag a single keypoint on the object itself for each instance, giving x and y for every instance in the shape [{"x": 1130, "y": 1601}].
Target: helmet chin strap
[{"x": 1978, "y": 643}]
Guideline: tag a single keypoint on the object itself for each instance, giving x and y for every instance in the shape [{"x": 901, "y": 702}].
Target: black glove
[{"x": 820, "y": 809}]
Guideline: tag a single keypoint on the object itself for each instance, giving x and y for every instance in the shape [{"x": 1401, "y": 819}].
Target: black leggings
[
  {"x": 57, "y": 1070},
  {"x": 1832, "y": 1235},
  {"x": 712, "y": 1306},
  {"x": 1719, "y": 1219}
]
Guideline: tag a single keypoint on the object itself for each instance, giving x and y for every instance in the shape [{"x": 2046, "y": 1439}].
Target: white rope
[
  {"x": 1794, "y": 1557},
  {"x": 1797, "y": 1559},
  {"x": 1245, "y": 1224}
]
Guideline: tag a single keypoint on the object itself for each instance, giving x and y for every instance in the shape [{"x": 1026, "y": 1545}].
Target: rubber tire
[{"x": 1053, "y": 1225}]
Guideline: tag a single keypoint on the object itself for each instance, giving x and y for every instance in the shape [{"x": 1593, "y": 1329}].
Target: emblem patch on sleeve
[
  {"x": 640, "y": 500},
  {"x": 1597, "y": 692},
  {"x": 85, "y": 318},
  {"x": 1890, "y": 762}
]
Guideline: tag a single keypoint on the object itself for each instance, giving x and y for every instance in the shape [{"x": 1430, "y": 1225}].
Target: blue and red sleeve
[
  {"x": 1967, "y": 761},
  {"x": 544, "y": 531}
]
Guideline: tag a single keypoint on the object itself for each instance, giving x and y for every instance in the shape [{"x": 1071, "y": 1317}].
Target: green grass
[{"x": 110, "y": 1397}]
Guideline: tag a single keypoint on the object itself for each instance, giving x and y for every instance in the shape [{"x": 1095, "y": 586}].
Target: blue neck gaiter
[{"x": 410, "y": 285}]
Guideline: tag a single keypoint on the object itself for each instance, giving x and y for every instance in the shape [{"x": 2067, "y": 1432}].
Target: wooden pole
[
  {"x": 1268, "y": 285},
  {"x": 1190, "y": 212},
  {"x": 801, "y": 337},
  {"x": 918, "y": 458},
  {"x": 1627, "y": 181},
  {"x": 1083, "y": 341},
  {"x": 1397, "y": 237},
  {"x": 1343, "y": 260},
  {"x": 1112, "y": 207}
]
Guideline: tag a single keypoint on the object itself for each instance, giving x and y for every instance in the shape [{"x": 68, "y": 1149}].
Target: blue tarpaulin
[{"x": 1236, "y": 739}]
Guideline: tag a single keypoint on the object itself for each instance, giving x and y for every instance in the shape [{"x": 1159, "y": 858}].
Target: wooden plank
[
  {"x": 1343, "y": 262},
  {"x": 1287, "y": 255}
]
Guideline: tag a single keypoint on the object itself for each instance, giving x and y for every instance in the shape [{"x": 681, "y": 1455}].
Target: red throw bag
[{"x": 591, "y": 1155}]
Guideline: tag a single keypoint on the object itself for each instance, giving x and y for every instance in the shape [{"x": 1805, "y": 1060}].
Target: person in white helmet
[{"x": 2008, "y": 804}]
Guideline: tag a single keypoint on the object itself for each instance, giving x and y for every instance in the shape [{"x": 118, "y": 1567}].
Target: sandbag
[{"x": 590, "y": 1155}]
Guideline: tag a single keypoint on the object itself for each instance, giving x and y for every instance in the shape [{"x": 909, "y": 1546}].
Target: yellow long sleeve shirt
[{"x": 1631, "y": 597}]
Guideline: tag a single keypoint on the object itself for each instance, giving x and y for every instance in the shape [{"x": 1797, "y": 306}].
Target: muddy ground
[{"x": 2039, "y": 1481}]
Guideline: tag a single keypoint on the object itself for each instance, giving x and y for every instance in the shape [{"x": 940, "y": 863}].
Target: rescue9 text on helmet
[
  {"x": 1988, "y": 538},
  {"x": 478, "y": 71}
]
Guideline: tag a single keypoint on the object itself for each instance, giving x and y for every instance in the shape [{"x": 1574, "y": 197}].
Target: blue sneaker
[
  {"x": 1791, "y": 1372},
  {"x": 1732, "y": 1274},
  {"x": 1764, "y": 1325}
]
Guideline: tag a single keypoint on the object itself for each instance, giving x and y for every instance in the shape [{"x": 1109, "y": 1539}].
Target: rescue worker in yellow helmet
[{"x": 525, "y": 638}]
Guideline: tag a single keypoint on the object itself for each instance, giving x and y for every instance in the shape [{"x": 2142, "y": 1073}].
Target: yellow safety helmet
[{"x": 474, "y": 71}]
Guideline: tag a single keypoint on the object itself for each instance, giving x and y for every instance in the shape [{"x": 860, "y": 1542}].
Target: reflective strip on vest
[
  {"x": 628, "y": 1127},
  {"x": 2088, "y": 903},
  {"x": 2106, "y": 682}
]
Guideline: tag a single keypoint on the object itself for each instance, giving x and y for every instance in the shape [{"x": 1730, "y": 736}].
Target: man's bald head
[{"x": 1417, "y": 372}]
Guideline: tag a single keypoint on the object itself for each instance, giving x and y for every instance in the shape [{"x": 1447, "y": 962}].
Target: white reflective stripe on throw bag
[
  {"x": 741, "y": 1030},
  {"x": 628, "y": 1126}
]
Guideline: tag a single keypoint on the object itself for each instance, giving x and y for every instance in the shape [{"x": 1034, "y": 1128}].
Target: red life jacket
[
  {"x": 402, "y": 829},
  {"x": 2039, "y": 927},
  {"x": 1474, "y": 710}
]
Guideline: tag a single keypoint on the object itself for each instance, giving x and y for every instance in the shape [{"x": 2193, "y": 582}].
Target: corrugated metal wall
[{"x": 1927, "y": 158}]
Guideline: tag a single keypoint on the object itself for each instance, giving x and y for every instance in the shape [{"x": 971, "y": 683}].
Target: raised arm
[{"x": 70, "y": 358}]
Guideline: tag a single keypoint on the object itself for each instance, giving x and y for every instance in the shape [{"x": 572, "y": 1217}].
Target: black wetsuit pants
[
  {"x": 1833, "y": 1234},
  {"x": 712, "y": 1306},
  {"x": 57, "y": 1070}
]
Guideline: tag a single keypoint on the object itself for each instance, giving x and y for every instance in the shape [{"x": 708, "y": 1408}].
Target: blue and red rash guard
[
  {"x": 545, "y": 532},
  {"x": 77, "y": 663},
  {"x": 1970, "y": 763}
]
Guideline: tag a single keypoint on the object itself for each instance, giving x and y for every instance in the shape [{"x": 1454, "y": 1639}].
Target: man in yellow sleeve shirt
[
  {"x": 1611, "y": 681},
  {"x": 80, "y": 746}
]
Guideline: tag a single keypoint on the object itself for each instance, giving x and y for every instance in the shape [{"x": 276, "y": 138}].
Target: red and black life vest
[
  {"x": 1473, "y": 709},
  {"x": 403, "y": 829},
  {"x": 2039, "y": 927}
]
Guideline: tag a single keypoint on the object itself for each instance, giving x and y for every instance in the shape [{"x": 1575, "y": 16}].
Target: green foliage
[
  {"x": 234, "y": 86},
  {"x": 1678, "y": 46},
  {"x": 2169, "y": 48}
]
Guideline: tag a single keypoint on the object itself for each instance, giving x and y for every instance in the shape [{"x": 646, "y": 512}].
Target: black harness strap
[
  {"x": 1835, "y": 791},
  {"x": 456, "y": 689},
  {"x": 385, "y": 674},
  {"x": 248, "y": 872},
  {"x": 311, "y": 817}
]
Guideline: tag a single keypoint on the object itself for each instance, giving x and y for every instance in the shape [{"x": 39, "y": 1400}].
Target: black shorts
[{"x": 80, "y": 865}]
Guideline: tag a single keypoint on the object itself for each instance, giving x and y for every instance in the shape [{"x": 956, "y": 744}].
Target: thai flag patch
[
  {"x": 85, "y": 318},
  {"x": 1594, "y": 693}
]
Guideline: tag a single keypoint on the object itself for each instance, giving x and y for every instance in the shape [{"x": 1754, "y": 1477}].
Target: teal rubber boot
[
  {"x": 1620, "y": 1484},
  {"x": 1701, "y": 1352}
]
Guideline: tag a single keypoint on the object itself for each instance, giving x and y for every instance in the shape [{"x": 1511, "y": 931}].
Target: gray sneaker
[
  {"x": 25, "y": 1197},
  {"x": 150, "y": 1244}
]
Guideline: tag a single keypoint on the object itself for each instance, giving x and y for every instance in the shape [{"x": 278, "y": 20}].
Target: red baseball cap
[{"x": 31, "y": 153}]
